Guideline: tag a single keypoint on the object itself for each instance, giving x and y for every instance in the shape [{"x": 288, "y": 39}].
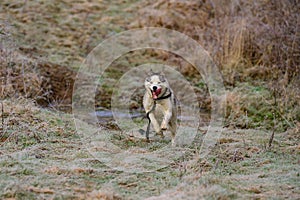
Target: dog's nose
[{"x": 154, "y": 88}]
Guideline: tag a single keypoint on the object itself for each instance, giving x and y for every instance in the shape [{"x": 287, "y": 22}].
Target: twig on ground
[
  {"x": 2, "y": 115},
  {"x": 2, "y": 121},
  {"x": 235, "y": 155},
  {"x": 216, "y": 165},
  {"x": 273, "y": 132},
  {"x": 271, "y": 138}
]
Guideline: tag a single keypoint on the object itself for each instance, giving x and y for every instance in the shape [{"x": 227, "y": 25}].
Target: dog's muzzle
[{"x": 155, "y": 92}]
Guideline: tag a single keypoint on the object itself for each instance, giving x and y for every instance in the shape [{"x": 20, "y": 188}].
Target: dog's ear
[
  {"x": 162, "y": 78},
  {"x": 150, "y": 73}
]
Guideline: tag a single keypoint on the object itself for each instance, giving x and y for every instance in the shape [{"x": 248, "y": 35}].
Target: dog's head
[{"x": 156, "y": 85}]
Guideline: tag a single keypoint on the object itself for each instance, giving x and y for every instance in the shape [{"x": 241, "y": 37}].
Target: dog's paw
[
  {"x": 164, "y": 126},
  {"x": 173, "y": 144},
  {"x": 160, "y": 134}
]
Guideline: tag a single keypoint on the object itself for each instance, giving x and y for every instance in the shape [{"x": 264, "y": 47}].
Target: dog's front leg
[
  {"x": 155, "y": 124},
  {"x": 166, "y": 120}
]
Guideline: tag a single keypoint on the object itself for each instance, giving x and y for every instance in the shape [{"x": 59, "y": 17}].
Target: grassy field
[{"x": 43, "y": 155}]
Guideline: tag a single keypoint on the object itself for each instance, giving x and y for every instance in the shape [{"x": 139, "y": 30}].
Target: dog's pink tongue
[
  {"x": 156, "y": 93},
  {"x": 154, "y": 96}
]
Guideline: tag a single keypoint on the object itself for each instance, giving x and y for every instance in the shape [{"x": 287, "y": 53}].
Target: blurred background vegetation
[{"x": 254, "y": 43}]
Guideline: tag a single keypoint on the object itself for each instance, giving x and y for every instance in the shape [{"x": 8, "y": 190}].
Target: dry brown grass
[
  {"x": 18, "y": 74},
  {"x": 238, "y": 34},
  {"x": 25, "y": 75},
  {"x": 255, "y": 44},
  {"x": 251, "y": 41}
]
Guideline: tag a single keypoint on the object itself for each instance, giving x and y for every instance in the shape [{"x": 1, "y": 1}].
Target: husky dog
[{"x": 159, "y": 97}]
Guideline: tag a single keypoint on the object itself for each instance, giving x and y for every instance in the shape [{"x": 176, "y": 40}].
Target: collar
[{"x": 164, "y": 97}]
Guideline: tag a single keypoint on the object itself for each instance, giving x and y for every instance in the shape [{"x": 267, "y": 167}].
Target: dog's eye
[{"x": 158, "y": 82}]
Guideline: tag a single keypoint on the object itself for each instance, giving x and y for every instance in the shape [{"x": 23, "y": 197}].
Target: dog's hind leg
[{"x": 173, "y": 129}]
